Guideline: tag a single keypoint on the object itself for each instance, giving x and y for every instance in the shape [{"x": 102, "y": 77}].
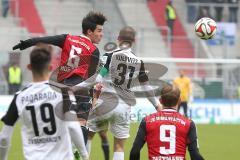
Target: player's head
[
  {"x": 92, "y": 26},
  {"x": 14, "y": 64},
  {"x": 40, "y": 59},
  {"x": 126, "y": 36},
  {"x": 170, "y": 96},
  {"x": 181, "y": 73},
  {"x": 170, "y": 2}
]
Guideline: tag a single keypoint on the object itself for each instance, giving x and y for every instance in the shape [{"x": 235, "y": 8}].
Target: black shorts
[{"x": 83, "y": 98}]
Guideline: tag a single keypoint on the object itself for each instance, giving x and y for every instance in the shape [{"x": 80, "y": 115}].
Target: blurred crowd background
[{"x": 165, "y": 32}]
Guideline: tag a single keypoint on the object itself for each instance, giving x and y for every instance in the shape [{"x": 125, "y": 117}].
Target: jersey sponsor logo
[
  {"x": 126, "y": 59},
  {"x": 168, "y": 158},
  {"x": 32, "y": 98}
]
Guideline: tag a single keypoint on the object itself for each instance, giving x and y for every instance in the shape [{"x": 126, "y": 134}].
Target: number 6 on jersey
[{"x": 74, "y": 59}]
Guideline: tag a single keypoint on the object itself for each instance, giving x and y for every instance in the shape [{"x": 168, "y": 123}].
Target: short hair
[
  {"x": 91, "y": 21},
  {"x": 40, "y": 58},
  {"x": 170, "y": 96},
  {"x": 127, "y": 34}
]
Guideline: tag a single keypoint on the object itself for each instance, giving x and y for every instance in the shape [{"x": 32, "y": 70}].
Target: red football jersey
[
  {"x": 166, "y": 135},
  {"x": 75, "y": 57}
]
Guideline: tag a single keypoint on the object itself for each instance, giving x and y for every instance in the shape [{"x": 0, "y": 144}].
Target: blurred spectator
[
  {"x": 205, "y": 7},
  {"x": 170, "y": 16},
  {"x": 218, "y": 10},
  {"x": 184, "y": 84},
  {"x": 5, "y": 7},
  {"x": 233, "y": 10},
  {"x": 203, "y": 13},
  {"x": 14, "y": 77},
  {"x": 191, "y": 11}
]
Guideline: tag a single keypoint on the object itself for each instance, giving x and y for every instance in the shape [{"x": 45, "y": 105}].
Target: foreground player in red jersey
[
  {"x": 167, "y": 133},
  {"x": 79, "y": 57}
]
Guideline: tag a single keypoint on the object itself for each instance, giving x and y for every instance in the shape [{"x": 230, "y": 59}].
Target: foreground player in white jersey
[
  {"x": 120, "y": 72},
  {"x": 45, "y": 135}
]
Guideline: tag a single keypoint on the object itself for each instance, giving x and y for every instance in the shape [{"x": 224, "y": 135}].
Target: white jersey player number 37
[
  {"x": 74, "y": 59},
  {"x": 171, "y": 139}
]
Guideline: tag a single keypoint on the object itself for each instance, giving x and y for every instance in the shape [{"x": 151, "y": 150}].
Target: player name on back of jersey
[
  {"x": 168, "y": 158},
  {"x": 167, "y": 118},
  {"x": 42, "y": 140},
  {"x": 32, "y": 98},
  {"x": 80, "y": 42},
  {"x": 126, "y": 59}
]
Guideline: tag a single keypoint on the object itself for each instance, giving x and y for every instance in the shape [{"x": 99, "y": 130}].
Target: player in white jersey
[
  {"x": 118, "y": 76},
  {"x": 46, "y": 135}
]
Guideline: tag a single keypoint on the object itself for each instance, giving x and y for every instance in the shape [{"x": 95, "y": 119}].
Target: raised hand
[{"x": 21, "y": 45}]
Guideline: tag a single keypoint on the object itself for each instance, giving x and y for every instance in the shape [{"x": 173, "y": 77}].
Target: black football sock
[
  {"x": 105, "y": 147},
  {"x": 85, "y": 134}
]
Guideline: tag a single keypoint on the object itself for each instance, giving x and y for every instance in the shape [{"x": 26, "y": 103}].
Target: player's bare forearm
[{"x": 57, "y": 40}]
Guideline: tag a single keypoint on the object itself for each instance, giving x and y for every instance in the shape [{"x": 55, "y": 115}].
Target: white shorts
[{"x": 117, "y": 119}]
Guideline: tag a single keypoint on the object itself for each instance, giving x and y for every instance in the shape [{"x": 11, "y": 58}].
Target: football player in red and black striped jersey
[
  {"x": 79, "y": 57},
  {"x": 167, "y": 132}
]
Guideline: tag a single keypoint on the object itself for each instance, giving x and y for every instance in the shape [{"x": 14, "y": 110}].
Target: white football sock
[{"x": 118, "y": 156}]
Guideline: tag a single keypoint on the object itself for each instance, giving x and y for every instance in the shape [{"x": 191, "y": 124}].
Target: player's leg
[
  {"x": 82, "y": 107},
  {"x": 89, "y": 141},
  {"x": 83, "y": 103},
  {"x": 105, "y": 144},
  {"x": 85, "y": 133},
  {"x": 185, "y": 108},
  {"x": 179, "y": 107},
  {"x": 118, "y": 153},
  {"x": 120, "y": 127},
  {"x": 95, "y": 125}
]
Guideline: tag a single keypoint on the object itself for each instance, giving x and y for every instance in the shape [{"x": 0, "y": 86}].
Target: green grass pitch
[{"x": 217, "y": 142}]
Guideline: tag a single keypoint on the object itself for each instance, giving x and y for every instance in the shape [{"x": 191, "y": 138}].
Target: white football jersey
[
  {"x": 45, "y": 135},
  {"x": 124, "y": 70}
]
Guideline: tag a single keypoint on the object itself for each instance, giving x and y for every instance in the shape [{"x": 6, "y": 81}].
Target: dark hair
[
  {"x": 91, "y": 21},
  {"x": 40, "y": 58},
  {"x": 170, "y": 96}
]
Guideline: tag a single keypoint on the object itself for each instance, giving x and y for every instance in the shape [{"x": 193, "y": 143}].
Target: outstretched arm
[
  {"x": 89, "y": 83},
  {"x": 148, "y": 90},
  {"x": 9, "y": 119},
  {"x": 57, "y": 40},
  {"x": 96, "y": 78}
]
